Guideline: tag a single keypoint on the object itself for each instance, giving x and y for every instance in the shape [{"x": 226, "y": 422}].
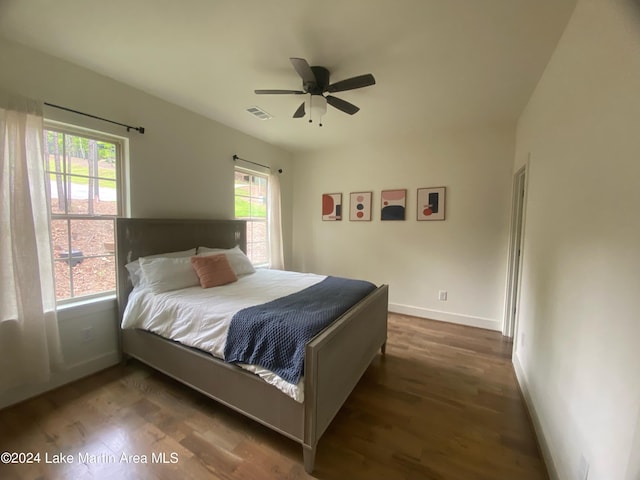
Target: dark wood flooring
[{"x": 442, "y": 404}]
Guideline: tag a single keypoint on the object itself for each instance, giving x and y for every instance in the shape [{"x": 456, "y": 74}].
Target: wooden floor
[{"x": 442, "y": 404}]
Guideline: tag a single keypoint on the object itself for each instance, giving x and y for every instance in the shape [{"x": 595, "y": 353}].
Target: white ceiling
[{"x": 438, "y": 63}]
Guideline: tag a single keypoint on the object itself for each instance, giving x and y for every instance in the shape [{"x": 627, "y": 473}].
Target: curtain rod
[
  {"x": 129, "y": 127},
  {"x": 236, "y": 157}
]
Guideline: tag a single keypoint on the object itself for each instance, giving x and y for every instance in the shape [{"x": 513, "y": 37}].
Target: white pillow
[
  {"x": 164, "y": 274},
  {"x": 240, "y": 263},
  {"x": 135, "y": 273}
]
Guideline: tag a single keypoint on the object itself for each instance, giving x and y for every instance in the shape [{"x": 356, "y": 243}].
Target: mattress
[{"x": 200, "y": 318}]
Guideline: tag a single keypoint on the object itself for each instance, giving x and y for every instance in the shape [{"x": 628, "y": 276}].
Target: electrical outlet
[
  {"x": 442, "y": 295},
  {"x": 522, "y": 337},
  {"x": 87, "y": 334}
]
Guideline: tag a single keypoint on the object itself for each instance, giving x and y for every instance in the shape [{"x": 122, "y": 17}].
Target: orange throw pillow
[{"x": 213, "y": 270}]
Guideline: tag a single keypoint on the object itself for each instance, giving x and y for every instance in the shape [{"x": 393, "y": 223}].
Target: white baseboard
[
  {"x": 471, "y": 321},
  {"x": 70, "y": 374},
  {"x": 535, "y": 419}
]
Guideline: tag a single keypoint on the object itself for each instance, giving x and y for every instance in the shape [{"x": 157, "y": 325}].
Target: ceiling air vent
[{"x": 258, "y": 112}]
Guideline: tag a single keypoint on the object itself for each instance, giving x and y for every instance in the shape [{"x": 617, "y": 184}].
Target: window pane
[
  {"x": 258, "y": 208},
  {"x": 63, "y": 279},
  {"x": 241, "y": 183},
  {"x": 257, "y": 242},
  {"x": 57, "y": 194},
  {"x": 107, "y": 157},
  {"x": 79, "y": 150},
  {"x": 258, "y": 232},
  {"x": 106, "y": 200},
  {"x": 77, "y": 195},
  {"x": 69, "y": 152},
  {"x": 89, "y": 196},
  {"x": 94, "y": 275},
  {"x": 53, "y": 148},
  {"x": 54, "y": 165},
  {"x": 78, "y": 164},
  {"x": 92, "y": 237},
  {"x": 60, "y": 238},
  {"x": 241, "y": 187},
  {"x": 257, "y": 253},
  {"x": 249, "y": 232},
  {"x": 259, "y": 186},
  {"x": 242, "y": 207}
]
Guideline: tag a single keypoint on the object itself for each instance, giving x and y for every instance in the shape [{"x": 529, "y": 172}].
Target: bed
[{"x": 334, "y": 360}]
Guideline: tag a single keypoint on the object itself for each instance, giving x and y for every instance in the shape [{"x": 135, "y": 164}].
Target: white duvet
[{"x": 200, "y": 317}]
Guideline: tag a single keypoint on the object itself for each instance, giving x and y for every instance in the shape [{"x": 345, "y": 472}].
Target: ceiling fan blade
[
  {"x": 304, "y": 70},
  {"x": 299, "y": 112},
  {"x": 352, "y": 83},
  {"x": 340, "y": 104},
  {"x": 278, "y": 92}
]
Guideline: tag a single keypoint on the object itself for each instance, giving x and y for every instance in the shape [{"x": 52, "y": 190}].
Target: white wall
[
  {"x": 464, "y": 255},
  {"x": 181, "y": 167},
  {"x": 577, "y": 353},
  {"x": 633, "y": 470},
  {"x": 84, "y": 352}
]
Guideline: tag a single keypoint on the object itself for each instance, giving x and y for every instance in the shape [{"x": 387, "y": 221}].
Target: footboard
[{"x": 335, "y": 361}]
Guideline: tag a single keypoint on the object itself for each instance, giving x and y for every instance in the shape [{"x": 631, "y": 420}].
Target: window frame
[
  {"x": 120, "y": 169},
  {"x": 265, "y": 220}
]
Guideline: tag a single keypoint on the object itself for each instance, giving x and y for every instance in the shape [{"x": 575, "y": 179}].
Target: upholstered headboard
[{"x": 138, "y": 237}]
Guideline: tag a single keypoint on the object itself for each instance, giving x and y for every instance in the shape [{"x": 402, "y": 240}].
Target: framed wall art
[
  {"x": 393, "y": 204},
  {"x": 431, "y": 203},
  {"x": 360, "y": 206},
  {"x": 331, "y": 206}
]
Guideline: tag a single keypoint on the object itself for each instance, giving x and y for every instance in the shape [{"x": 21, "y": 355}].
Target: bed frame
[{"x": 335, "y": 359}]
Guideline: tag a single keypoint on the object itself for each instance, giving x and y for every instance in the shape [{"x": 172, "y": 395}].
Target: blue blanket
[{"x": 273, "y": 335}]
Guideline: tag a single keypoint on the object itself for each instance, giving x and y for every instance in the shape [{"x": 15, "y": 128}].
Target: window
[
  {"x": 83, "y": 189},
  {"x": 251, "y": 204}
]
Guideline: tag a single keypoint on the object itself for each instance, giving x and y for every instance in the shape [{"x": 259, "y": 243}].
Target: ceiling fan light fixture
[
  {"x": 317, "y": 108},
  {"x": 315, "y": 83}
]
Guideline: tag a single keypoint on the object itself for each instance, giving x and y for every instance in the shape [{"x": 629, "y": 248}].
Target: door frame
[{"x": 514, "y": 267}]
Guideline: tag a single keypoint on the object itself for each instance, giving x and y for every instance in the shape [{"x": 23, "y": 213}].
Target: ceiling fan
[{"x": 315, "y": 82}]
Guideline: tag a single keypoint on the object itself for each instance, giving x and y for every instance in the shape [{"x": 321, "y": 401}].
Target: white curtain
[
  {"x": 275, "y": 223},
  {"x": 29, "y": 337}
]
